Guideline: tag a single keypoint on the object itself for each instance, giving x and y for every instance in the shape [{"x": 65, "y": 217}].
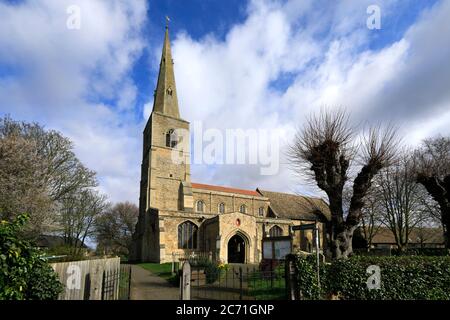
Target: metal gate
[
  {"x": 116, "y": 284},
  {"x": 239, "y": 282}
]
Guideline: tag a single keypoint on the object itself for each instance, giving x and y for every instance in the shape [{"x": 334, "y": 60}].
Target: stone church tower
[
  {"x": 165, "y": 170},
  {"x": 180, "y": 218}
]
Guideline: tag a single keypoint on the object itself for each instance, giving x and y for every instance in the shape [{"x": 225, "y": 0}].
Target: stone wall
[
  {"x": 232, "y": 202},
  {"x": 168, "y": 166}
]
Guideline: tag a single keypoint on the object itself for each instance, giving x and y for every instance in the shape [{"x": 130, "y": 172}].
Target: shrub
[
  {"x": 402, "y": 278},
  {"x": 306, "y": 267},
  {"x": 24, "y": 274},
  {"x": 212, "y": 269}
]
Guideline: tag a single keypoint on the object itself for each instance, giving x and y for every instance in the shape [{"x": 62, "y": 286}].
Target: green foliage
[
  {"x": 421, "y": 252},
  {"x": 24, "y": 274},
  {"x": 402, "y": 278},
  {"x": 307, "y": 276}
]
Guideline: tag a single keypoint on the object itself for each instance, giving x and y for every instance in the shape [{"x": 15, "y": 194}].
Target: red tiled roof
[{"x": 225, "y": 189}]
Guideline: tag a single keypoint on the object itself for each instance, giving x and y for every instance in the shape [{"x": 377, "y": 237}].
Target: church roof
[
  {"x": 291, "y": 206},
  {"x": 225, "y": 189},
  {"x": 165, "y": 100}
]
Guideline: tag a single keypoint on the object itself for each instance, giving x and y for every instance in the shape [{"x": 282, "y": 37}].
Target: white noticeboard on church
[{"x": 277, "y": 248}]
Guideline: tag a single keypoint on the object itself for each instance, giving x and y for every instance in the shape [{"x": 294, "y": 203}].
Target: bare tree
[
  {"x": 115, "y": 227},
  {"x": 39, "y": 171},
  {"x": 61, "y": 171},
  {"x": 78, "y": 215},
  {"x": 20, "y": 185},
  {"x": 326, "y": 147},
  {"x": 432, "y": 167},
  {"x": 400, "y": 197}
]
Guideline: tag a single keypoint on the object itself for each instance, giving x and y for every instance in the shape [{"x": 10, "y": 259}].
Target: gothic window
[
  {"x": 261, "y": 212},
  {"x": 222, "y": 208},
  {"x": 200, "y": 206},
  {"x": 171, "y": 139},
  {"x": 169, "y": 91},
  {"x": 242, "y": 209},
  {"x": 187, "y": 235},
  {"x": 275, "y": 231}
]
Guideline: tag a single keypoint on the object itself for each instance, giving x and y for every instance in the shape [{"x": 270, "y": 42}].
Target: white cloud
[
  {"x": 148, "y": 107},
  {"x": 60, "y": 76},
  {"x": 229, "y": 84},
  {"x": 286, "y": 59}
]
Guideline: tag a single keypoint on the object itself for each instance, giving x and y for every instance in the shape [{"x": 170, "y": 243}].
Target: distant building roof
[
  {"x": 417, "y": 236},
  {"x": 225, "y": 189},
  {"x": 291, "y": 206},
  {"x": 52, "y": 241}
]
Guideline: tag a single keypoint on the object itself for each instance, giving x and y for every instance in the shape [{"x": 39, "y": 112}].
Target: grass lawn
[
  {"x": 262, "y": 289},
  {"x": 163, "y": 270},
  {"x": 266, "y": 289}
]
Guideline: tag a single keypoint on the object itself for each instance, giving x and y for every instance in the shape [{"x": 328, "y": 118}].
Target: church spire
[{"x": 165, "y": 100}]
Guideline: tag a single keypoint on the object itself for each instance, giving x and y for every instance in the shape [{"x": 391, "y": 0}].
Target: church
[{"x": 181, "y": 217}]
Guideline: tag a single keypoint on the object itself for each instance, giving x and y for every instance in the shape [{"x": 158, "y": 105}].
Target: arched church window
[
  {"x": 275, "y": 231},
  {"x": 171, "y": 139},
  {"x": 222, "y": 207},
  {"x": 187, "y": 235},
  {"x": 200, "y": 206},
  {"x": 261, "y": 212},
  {"x": 243, "y": 208}
]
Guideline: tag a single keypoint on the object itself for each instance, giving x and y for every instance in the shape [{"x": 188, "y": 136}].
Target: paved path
[{"x": 148, "y": 286}]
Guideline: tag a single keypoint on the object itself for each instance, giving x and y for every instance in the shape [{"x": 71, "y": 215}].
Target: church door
[{"x": 236, "y": 250}]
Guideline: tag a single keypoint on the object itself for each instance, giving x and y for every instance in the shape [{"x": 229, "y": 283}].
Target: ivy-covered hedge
[
  {"x": 24, "y": 274},
  {"x": 402, "y": 278}
]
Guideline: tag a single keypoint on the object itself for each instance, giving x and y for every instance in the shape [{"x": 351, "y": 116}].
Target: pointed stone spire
[{"x": 166, "y": 100}]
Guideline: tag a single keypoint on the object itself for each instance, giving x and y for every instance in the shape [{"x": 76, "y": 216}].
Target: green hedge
[
  {"x": 402, "y": 278},
  {"x": 24, "y": 274}
]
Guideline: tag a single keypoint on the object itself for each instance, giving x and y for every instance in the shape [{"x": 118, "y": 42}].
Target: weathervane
[{"x": 167, "y": 21}]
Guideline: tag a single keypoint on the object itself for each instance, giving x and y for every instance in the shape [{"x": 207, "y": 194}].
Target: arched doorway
[{"x": 236, "y": 249}]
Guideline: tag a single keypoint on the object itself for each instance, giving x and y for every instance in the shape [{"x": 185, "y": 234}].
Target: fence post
[
  {"x": 103, "y": 284},
  {"x": 272, "y": 273},
  {"x": 173, "y": 262},
  {"x": 240, "y": 283},
  {"x": 185, "y": 283},
  {"x": 129, "y": 283}
]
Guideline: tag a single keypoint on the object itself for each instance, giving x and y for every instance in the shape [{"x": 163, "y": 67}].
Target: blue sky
[{"x": 238, "y": 64}]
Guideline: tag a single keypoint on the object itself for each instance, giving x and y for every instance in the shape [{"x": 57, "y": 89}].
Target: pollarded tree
[
  {"x": 432, "y": 167},
  {"x": 325, "y": 148},
  {"x": 371, "y": 219}
]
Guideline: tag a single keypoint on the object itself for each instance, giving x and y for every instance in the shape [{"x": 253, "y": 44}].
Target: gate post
[
  {"x": 240, "y": 283},
  {"x": 293, "y": 292},
  {"x": 173, "y": 262},
  {"x": 185, "y": 282}
]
